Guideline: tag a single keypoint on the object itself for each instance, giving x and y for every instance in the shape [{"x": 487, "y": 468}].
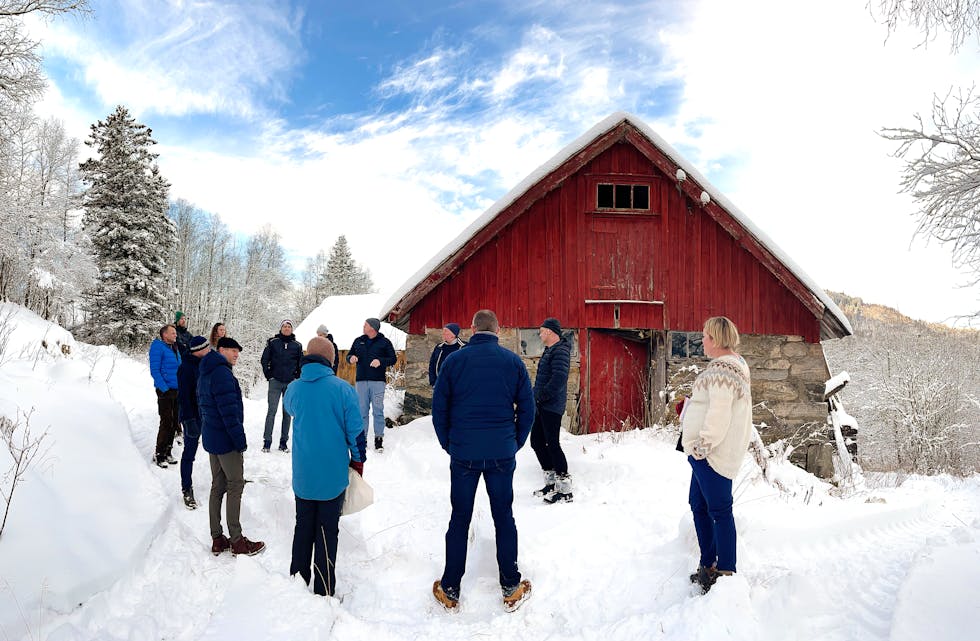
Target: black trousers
[
  {"x": 545, "y": 443},
  {"x": 167, "y": 407},
  {"x": 316, "y": 533}
]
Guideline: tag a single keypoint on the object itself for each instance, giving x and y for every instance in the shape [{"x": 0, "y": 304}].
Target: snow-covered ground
[{"x": 99, "y": 546}]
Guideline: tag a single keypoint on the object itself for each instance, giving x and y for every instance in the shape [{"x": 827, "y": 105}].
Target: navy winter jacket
[
  {"x": 219, "y": 398},
  {"x": 439, "y": 355},
  {"x": 551, "y": 381},
  {"x": 187, "y": 388},
  {"x": 183, "y": 341},
  {"x": 164, "y": 361},
  {"x": 366, "y": 350},
  {"x": 473, "y": 403},
  {"x": 280, "y": 358}
]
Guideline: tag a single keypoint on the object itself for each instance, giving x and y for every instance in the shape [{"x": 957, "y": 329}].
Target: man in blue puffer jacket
[
  {"x": 219, "y": 399},
  {"x": 164, "y": 361},
  {"x": 326, "y": 424},
  {"x": 477, "y": 423}
]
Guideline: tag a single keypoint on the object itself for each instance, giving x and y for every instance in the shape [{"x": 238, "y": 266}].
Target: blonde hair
[{"x": 722, "y": 331}]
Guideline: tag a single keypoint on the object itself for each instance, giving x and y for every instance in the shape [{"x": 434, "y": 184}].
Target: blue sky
[{"x": 398, "y": 123}]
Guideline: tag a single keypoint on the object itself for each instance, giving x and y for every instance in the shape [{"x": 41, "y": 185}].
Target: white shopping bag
[{"x": 359, "y": 493}]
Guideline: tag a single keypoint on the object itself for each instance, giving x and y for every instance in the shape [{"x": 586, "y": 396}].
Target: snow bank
[{"x": 89, "y": 508}]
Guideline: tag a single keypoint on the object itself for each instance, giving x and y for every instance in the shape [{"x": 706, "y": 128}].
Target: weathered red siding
[{"x": 560, "y": 253}]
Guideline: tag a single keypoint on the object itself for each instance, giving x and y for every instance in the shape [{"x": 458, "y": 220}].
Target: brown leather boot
[
  {"x": 517, "y": 598},
  {"x": 246, "y": 547},
  {"x": 220, "y": 544},
  {"x": 444, "y": 599}
]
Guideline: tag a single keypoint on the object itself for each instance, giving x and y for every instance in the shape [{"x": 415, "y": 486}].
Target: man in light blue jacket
[{"x": 326, "y": 423}]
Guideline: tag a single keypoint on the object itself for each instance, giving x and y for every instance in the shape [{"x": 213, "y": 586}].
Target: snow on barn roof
[
  {"x": 710, "y": 192},
  {"x": 344, "y": 316}
]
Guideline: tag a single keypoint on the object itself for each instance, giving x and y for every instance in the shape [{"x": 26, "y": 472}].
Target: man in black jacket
[
  {"x": 280, "y": 364},
  {"x": 373, "y": 354},
  {"x": 550, "y": 396},
  {"x": 183, "y": 335}
]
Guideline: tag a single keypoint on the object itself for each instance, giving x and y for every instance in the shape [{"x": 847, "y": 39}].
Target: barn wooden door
[
  {"x": 624, "y": 257},
  {"x": 618, "y": 373}
]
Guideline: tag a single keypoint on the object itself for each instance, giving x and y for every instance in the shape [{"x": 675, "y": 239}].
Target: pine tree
[
  {"x": 343, "y": 276},
  {"x": 126, "y": 217}
]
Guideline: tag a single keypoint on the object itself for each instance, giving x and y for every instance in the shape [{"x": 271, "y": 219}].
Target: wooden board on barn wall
[
  {"x": 618, "y": 375},
  {"x": 547, "y": 261}
]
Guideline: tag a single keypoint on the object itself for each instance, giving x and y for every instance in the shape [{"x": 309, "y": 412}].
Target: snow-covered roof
[
  {"x": 344, "y": 316},
  {"x": 564, "y": 156}
]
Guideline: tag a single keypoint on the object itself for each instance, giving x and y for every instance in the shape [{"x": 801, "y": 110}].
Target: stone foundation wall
[
  {"x": 788, "y": 377},
  {"x": 418, "y": 394}
]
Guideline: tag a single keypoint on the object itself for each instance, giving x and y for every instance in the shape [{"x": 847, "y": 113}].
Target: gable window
[{"x": 622, "y": 196}]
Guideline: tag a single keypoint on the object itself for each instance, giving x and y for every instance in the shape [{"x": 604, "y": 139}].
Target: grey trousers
[{"x": 227, "y": 476}]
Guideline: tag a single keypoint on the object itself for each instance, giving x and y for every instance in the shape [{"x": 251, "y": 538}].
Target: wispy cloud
[{"x": 182, "y": 58}]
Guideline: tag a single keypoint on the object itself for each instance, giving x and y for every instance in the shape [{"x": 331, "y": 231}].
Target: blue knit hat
[
  {"x": 453, "y": 327},
  {"x": 198, "y": 343}
]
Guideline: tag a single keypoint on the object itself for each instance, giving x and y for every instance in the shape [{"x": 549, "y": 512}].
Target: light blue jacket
[{"x": 326, "y": 423}]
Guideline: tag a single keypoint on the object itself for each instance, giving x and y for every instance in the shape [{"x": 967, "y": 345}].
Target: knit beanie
[
  {"x": 453, "y": 327},
  {"x": 178, "y": 316},
  {"x": 198, "y": 343},
  {"x": 375, "y": 323},
  {"x": 322, "y": 329},
  {"x": 553, "y": 325}
]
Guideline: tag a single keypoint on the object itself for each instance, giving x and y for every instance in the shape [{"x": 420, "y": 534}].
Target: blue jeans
[
  {"x": 276, "y": 390},
  {"x": 498, "y": 476},
  {"x": 192, "y": 436},
  {"x": 711, "y": 504},
  {"x": 316, "y": 533},
  {"x": 372, "y": 393}
]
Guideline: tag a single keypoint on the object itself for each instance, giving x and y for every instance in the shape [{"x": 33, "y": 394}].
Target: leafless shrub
[{"x": 26, "y": 449}]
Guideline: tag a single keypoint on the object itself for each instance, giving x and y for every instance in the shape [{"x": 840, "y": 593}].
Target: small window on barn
[
  {"x": 613, "y": 196},
  {"x": 532, "y": 347},
  {"x": 686, "y": 345},
  {"x": 604, "y": 196}
]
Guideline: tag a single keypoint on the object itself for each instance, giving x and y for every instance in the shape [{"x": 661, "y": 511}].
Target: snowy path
[{"x": 612, "y": 565}]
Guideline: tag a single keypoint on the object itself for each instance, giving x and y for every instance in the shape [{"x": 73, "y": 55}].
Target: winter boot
[
  {"x": 246, "y": 547},
  {"x": 708, "y": 576},
  {"x": 448, "y": 600},
  {"x": 563, "y": 490},
  {"x": 170, "y": 459},
  {"x": 189, "y": 501},
  {"x": 161, "y": 461},
  {"x": 379, "y": 443},
  {"x": 703, "y": 569},
  {"x": 517, "y": 596},
  {"x": 266, "y": 446},
  {"x": 549, "y": 484},
  {"x": 283, "y": 447},
  {"x": 220, "y": 544}
]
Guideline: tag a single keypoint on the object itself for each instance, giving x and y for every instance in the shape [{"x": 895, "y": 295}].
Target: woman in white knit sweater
[{"x": 716, "y": 426}]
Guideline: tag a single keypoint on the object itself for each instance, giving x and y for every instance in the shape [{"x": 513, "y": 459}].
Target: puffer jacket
[
  {"x": 219, "y": 399},
  {"x": 164, "y": 361}
]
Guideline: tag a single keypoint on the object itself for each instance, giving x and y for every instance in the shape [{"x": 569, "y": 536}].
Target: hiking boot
[
  {"x": 265, "y": 449},
  {"x": 171, "y": 460},
  {"x": 284, "y": 448},
  {"x": 160, "y": 462},
  {"x": 220, "y": 544},
  {"x": 549, "y": 484},
  {"x": 448, "y": 601},
  {"x": 695, "y": 576},
  {"x": 189, "y": 501},
  {"x": 517, "y": 596},
  {"x": 563, "y": 490},
  {"x": 708, "y": 576},
  {"x": 246, "y": 547},
  {"x": 379, "y": 443}
]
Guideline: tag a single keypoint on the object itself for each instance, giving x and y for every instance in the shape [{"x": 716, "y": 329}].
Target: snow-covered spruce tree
[
  {"x": 126, "y": 217},
  {"x": 343, "y": 275}
]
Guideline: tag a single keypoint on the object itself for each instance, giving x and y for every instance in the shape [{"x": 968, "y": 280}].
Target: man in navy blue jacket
[
  {"x": 482, "y": 411},
  {"x": 219, "y": 398},
  {"x": 189, "y": 414},
  {"x": 373, "y": 354},
  {"x": 450, "y": 343},
  {"x": 551, "y": 395}
]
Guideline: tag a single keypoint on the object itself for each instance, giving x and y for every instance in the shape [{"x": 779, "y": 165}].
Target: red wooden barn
[{"x": 631, "y": 249}]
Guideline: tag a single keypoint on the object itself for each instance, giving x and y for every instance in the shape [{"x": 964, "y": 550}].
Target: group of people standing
[{"x": 484, "y": 409}]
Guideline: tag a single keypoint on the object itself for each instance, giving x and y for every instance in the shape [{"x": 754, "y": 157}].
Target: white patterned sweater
[{"x": 718, "y": 416}]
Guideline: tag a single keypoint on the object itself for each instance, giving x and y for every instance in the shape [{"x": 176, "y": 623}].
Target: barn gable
[{"x": 536, "y": 221}]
